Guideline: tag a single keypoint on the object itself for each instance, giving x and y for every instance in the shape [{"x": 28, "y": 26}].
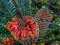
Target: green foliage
[
  {"x": 28, "y": 7},
  {"x": 10, "y": 6},
  {"x": 4, "y": 17}
]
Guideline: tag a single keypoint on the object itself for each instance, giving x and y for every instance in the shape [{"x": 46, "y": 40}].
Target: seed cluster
[{"x": 28, "y": 31}]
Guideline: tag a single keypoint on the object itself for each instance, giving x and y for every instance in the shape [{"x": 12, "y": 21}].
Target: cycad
[
  {"x": 4, "y": 33},
  {"x": 10, "y": 5},
  {"x": 26, "y": 7}
]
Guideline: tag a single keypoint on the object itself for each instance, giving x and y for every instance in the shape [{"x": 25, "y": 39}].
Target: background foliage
[{"x": 31, "y": 6}]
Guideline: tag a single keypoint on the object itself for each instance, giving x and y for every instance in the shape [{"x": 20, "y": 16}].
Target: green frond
[
  {"x": 10, "y": 6},
  {"x": 25, "y": 7}
]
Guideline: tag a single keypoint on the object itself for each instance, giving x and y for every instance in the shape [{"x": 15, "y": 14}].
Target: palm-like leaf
[
  {"x": 4, "y": 17},
  {"x": 10, "y": 7},
  {"x": 25, "y": 6}
]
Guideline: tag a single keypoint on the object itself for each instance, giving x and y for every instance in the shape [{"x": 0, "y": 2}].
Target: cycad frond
[
  {"x": 10, "y": 6},
  {"x": 25, "y": 6}
]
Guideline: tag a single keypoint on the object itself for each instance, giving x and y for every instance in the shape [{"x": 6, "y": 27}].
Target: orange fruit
[
  {"x": 14, "y": 19},
  {"x": 8, "y": 25}
]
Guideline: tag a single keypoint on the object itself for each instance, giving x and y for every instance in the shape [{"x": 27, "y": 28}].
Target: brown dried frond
[
  {"x": 43, "y": 16},
  {"x": 20, "y": 20}
]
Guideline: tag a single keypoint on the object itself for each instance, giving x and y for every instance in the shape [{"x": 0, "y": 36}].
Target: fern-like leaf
[
  {"x": 26, "y": 7},
  {"x": 10, "y": 7}
]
